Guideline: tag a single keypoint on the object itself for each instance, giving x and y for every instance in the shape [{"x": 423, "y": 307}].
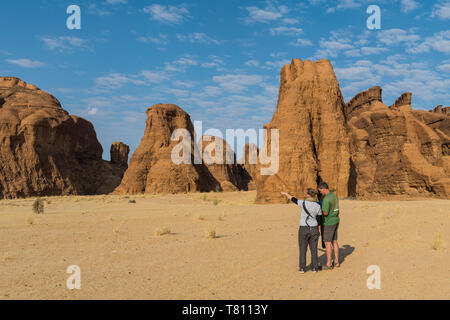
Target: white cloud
[
  {"x": 345, "y": 4},
  {"x": 439, "y": 42},
  {"x": 167, "y": 14},
  {"x": 92, "y": 111},
  {"x": 181, "y": 64},
  {"x": 155, "y": 76},
  {"x": 114, "y": 81},
  {"x": 64, "y": 43},
  {"x": 409, "y": 5},
  {"x": 237, "y": 82},
  {"x": 288, "y": 31},
  {"x": 397, "y": 36},
  {"x": 198, "y": 37},
  {"x": 444, "y": 68},
  {"x": 159, "y": 39},
  {"x": 441, "y": 10},
  {"x": 215, "y": 62},
  {"x": 26, "y": 63},
  {"x": 301, "y": 43},
  {"x": 266, "y": 15},
  {"x": 252, "y": 63}
]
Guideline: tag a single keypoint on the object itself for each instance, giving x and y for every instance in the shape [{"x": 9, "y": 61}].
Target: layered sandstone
[
  {"x": 403, "y": 100},
  {"x": 313, "y": 140},
  {"x": 119, "y": 154},
  {"x": 394, "y": 152},
  {"x": 220, "y": 160},
  {"x": 46, "y": 151},
  {"x": 152, "y": 168}
]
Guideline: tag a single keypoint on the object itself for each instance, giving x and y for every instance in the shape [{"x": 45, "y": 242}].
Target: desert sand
[{"x": 254, "y": 254}]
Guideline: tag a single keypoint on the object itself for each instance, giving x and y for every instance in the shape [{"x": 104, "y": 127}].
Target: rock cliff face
[
  {"x": 250, "y": 164},
  {"x": 151, "y": 168},
  {"x": 393, "y": 152},
  {"x": 46, "y": 151},
  {"x": 440, "y": 109},
  {"x": 220, "y": 160},
  {"x": 119, "y": 154},
  {"x": 313, "y": 140}
]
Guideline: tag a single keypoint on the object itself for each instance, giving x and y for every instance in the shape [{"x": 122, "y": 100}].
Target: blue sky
[{"x": 218, "y": 60}]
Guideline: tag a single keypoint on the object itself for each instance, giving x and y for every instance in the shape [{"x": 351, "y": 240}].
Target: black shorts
[{"x": 330, "y": 233}]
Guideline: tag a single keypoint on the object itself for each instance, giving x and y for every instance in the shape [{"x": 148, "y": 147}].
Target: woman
[{"x": 309, "y": 230}]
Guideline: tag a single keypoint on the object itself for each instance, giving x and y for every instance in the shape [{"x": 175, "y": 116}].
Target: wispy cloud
[
  {"x": 441, "y": 10},
  {"x": 288, "y": 31},
  {"x": 115, "y": 80},
  {"x": 265, "y": 15},
  {"x": 197, "y": 37},
  {"x": 409, "y": 5},
  {"x": 26, "y": 63},
  {"x": 168, "y": 14},
  {"x": 64, "y": 43}
]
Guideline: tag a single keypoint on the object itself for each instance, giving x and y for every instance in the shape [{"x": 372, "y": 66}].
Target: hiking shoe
[
  {"x": 301, "y": 271},
  {"x": 314, "y": 270}
]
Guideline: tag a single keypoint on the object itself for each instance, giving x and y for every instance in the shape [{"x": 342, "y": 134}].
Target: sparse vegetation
[
  {"x": 216, "y": 202},
  {"x": 30, "y": 220},
  {"x": 38, "y": 206},
  {"x": 210, "y": 232},
  {"x": 132, "y": 201},
  {"x": 162, "y": 231},
  {"x": 221, "y": 217},
  {"x": 437, "y": 243},
  {"x": 201, "y": 217}
]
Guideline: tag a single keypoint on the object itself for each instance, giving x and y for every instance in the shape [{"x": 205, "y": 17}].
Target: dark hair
[
  {"x": 322, "y": 185},
  {"x": 311, "y": 192}
]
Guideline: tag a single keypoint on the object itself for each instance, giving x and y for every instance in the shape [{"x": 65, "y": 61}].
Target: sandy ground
[{"x": 255, "y": 254}]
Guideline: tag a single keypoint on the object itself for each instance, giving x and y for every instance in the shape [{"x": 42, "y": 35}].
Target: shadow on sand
[{"x": 344, "y": 252}]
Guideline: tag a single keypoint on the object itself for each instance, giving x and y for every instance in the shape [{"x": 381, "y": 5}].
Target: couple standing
[{"x": 318, "y": 218}]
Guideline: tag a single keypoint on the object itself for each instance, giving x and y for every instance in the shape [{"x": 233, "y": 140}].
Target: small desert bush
[
  {"x": 132, "y": 201},
  {"x": 201, "y": 217},
  {"x": 221, "y": 217},
  {"x": 437, "y": 243},
  {"x": 162, "y": 231},
  {"x": 210, "y": 232},
  {"x": 30, "y": 220},
  {"x": 38, "y": 206},
  {"x": 204, "y": 198},
  {"x": 216, "y": 202}
]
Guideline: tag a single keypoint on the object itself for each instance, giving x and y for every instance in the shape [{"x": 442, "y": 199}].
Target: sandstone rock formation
[
  {"x": 395, "y": 153},
  {"x": 313, "y": 140},
  {"x": 221, "y": 162},
  {"x": 250, "y": 163},
  {"x": 46, "y": 151},
  {"x": 403, "y": 100},
  {"x": 440, "y": 109},
  {"x": 119, "y": 154},
  {"x": 151, "y": 168}
]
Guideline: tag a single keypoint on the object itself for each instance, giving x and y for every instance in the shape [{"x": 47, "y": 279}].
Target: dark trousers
[{"x": 308, "y": 236}]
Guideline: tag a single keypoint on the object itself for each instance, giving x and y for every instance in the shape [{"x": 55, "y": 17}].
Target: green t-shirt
[{"x": 330, "y": 204}]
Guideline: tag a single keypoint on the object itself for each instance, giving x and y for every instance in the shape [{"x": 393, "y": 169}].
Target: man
[
  {"x": 330, "y": 211},
  {"x": 308, "y": 232}
]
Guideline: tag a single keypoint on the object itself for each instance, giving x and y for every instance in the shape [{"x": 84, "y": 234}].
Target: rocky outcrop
[
  {"x": 250, "y": 163},
  {"x": 363, "y": 99},
  {"x": 403, "y": 100},
  {"x": 220, "y": 160},
  {"x": 394, "y": 152},
  {"x": 441, "y": 110},
  {"x": 152, "y": 169},
  {"x": 119, "y": 154},
  {"x": 313, "y": 140},
  {"x": 44, "y": 150}
]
